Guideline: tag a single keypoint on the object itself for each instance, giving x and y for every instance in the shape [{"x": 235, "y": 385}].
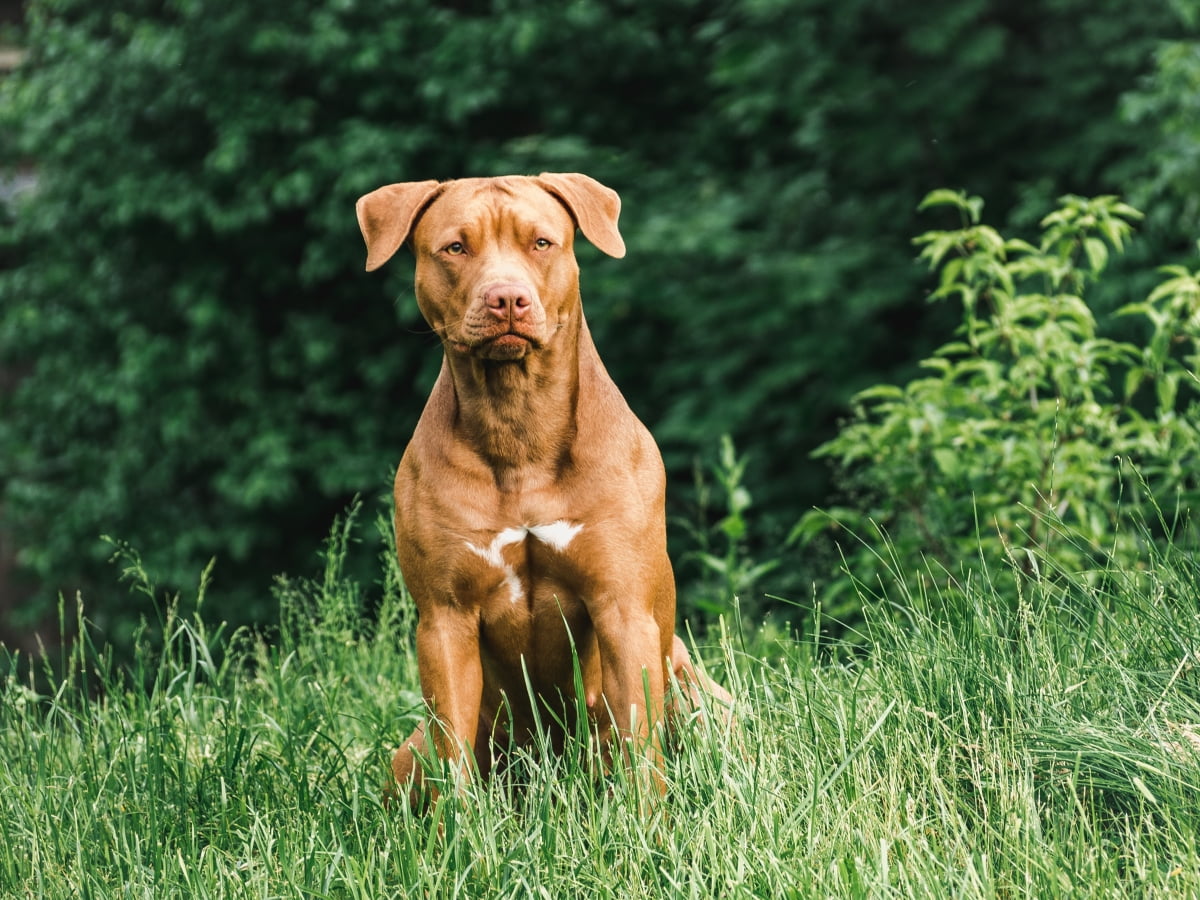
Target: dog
[{"x": 529, "y": 504}]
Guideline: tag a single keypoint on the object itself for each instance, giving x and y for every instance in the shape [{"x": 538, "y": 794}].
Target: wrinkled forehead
[{"x": 494, "y": 206}]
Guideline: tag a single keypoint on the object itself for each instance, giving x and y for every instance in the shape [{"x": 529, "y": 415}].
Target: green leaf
[
  {"x": 947, "y": 461},
  {"x": 1097, "y": 254},
  {"x": 970, "y": 206}
]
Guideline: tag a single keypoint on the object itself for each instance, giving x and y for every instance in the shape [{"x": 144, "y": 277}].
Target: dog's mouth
[
  {"x": 507, "y": 346},
  {"x": 509, "y": 343}
]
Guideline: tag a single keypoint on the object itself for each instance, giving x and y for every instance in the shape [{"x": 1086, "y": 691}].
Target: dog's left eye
[{"x": 542, "y": 244}]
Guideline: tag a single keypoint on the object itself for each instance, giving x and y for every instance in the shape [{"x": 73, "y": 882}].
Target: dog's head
[{"x": 496, "y": 271}]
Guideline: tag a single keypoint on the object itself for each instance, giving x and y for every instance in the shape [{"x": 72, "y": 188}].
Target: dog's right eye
[{"x": 456, "y": 249}]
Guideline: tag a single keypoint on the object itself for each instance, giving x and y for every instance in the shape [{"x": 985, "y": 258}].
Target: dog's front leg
[
  {"x": 452, "y": 684},
  {"x": 633, "y": 685}
]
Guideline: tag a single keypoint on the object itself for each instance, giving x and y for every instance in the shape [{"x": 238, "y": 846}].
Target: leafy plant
[
  {"x": 1034, "y": 436},
  {"x": 729, "y": 571}
]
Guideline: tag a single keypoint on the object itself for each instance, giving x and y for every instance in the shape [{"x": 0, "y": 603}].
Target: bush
[{"x": 1034, "y": 437}]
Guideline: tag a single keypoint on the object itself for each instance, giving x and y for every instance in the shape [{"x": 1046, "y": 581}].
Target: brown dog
[{"x": 529, "y": 504}]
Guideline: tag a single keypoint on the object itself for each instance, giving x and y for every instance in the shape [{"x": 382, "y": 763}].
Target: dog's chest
[{"x": 515, "y": 565}]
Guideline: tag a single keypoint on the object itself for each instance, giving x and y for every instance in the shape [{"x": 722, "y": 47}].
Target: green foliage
[
  {"x": 1034, "y": 437},
  {"x": 202, "y": 369},
  {"x": 729, "y": 576},
  {"x": 1166, "y": 105}
]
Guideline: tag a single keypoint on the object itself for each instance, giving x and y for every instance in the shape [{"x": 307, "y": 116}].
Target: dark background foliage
[{"x": 192, "y": 359}]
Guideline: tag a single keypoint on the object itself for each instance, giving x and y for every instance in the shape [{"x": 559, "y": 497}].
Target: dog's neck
[{"x": 522, "y": 413}]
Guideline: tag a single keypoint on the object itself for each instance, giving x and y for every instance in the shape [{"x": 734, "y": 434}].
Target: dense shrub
[{"x": 1034, "y": 438}]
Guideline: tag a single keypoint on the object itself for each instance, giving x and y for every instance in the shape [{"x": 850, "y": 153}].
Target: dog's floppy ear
[
  {"x": 594, "y": 206},
  {"x": 386, "y": 217}
]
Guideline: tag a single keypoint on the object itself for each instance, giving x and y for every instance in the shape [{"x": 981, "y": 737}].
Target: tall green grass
[{"x": 970, "y": 745}]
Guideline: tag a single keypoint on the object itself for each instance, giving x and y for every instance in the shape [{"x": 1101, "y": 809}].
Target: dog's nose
[{"x": 508, "y": 301}]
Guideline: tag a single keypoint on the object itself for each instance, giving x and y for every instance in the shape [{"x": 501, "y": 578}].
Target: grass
[{"x": 976, "y": 746}]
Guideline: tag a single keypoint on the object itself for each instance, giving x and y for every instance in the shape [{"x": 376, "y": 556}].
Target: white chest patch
[{"x": 556, "y": 535}]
